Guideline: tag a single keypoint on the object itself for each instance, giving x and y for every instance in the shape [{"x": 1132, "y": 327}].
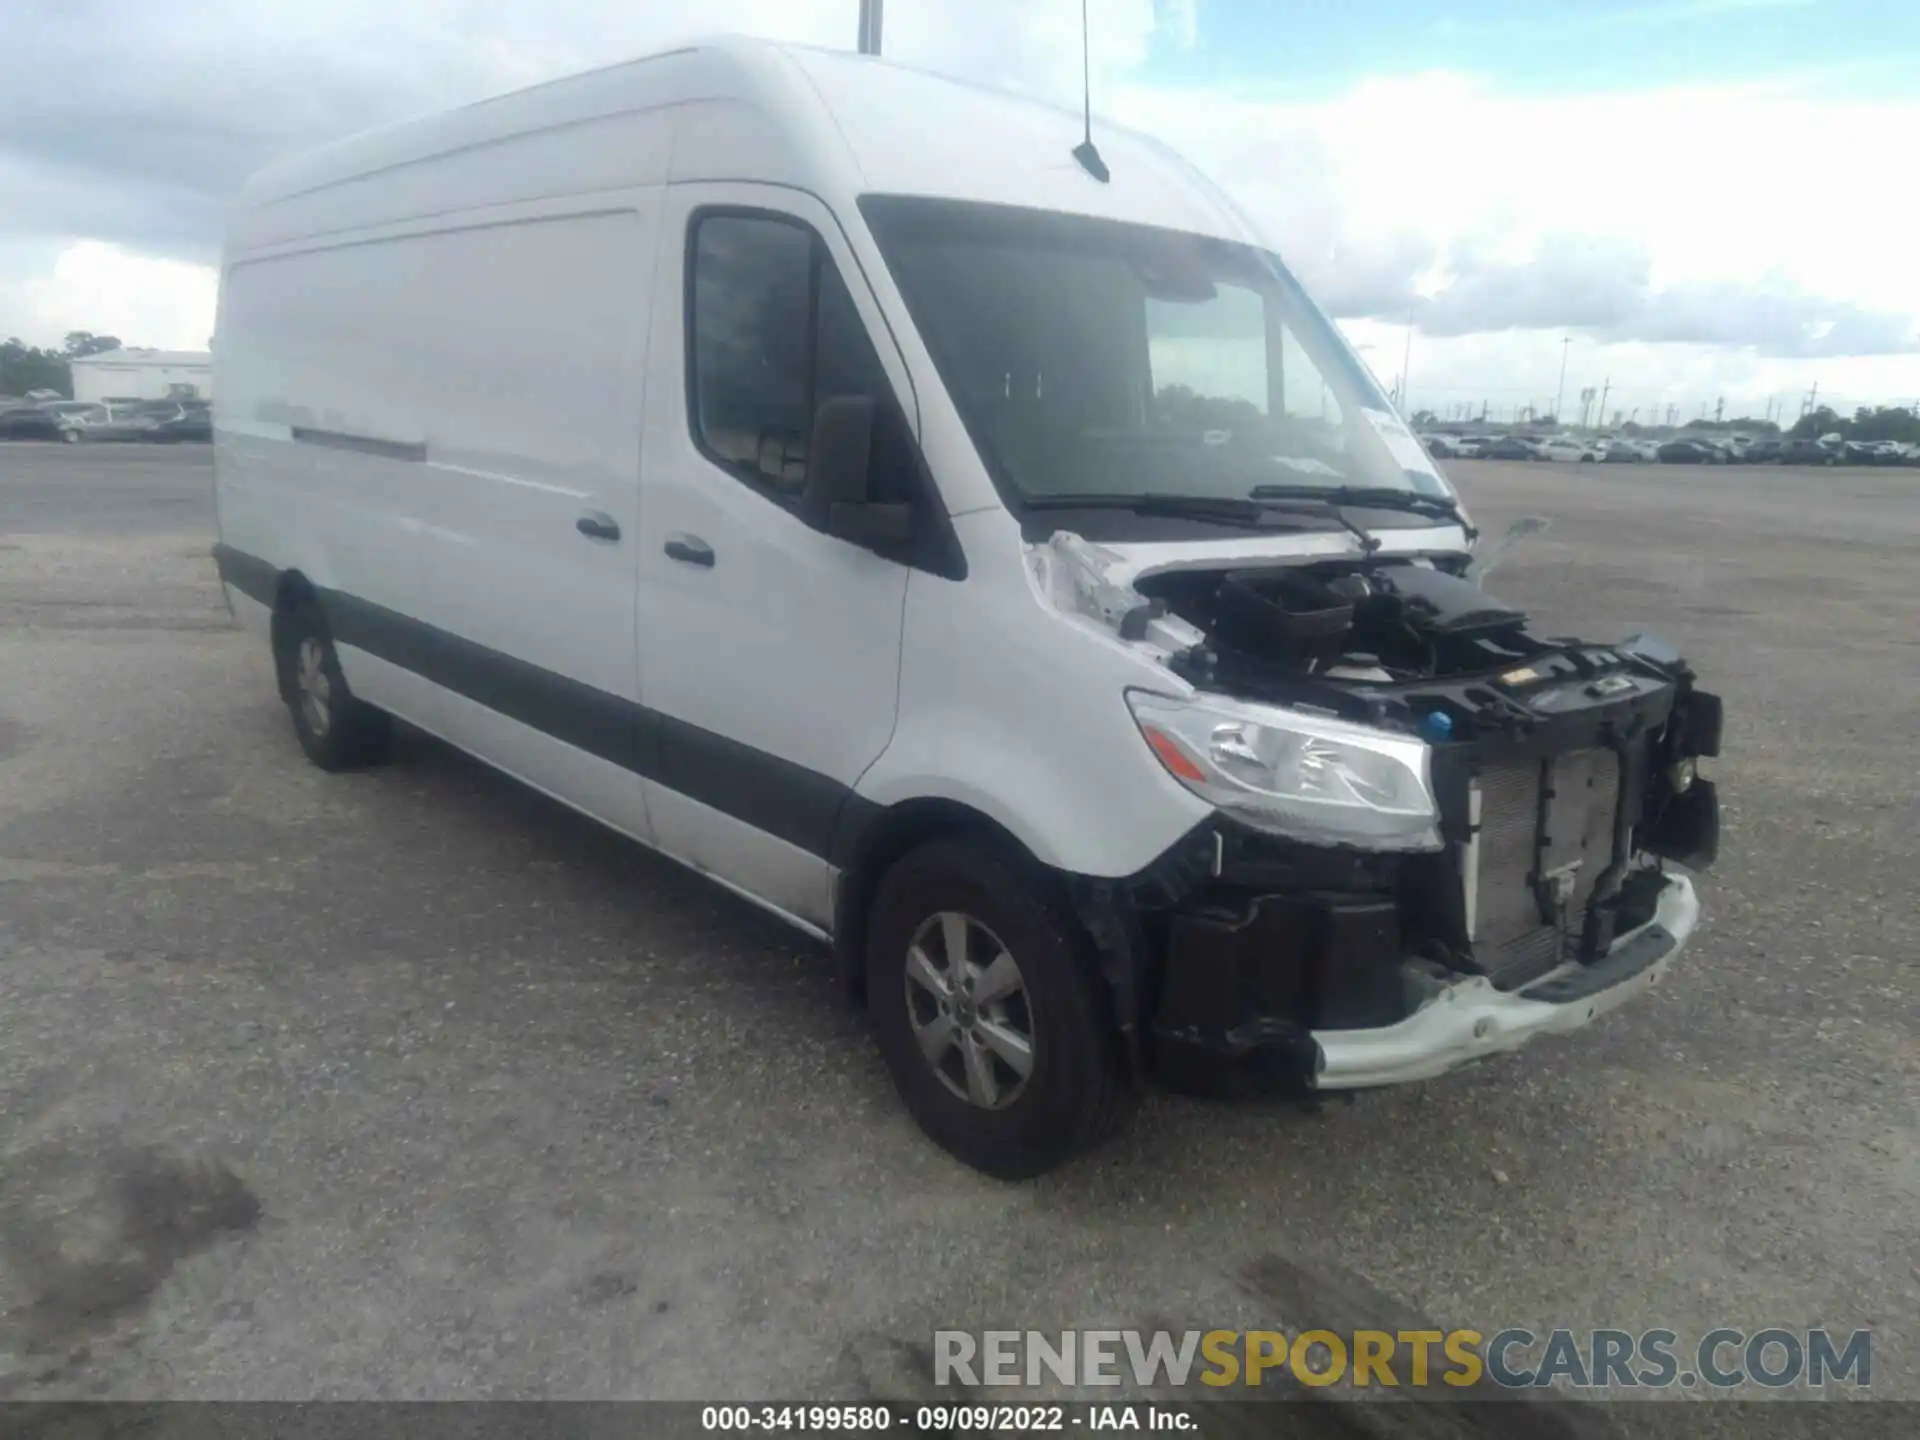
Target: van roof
[{"x": 832, "y": 122}]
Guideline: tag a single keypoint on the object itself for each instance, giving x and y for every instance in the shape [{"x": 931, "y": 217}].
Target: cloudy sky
[{"x": 1710, "y": 198}]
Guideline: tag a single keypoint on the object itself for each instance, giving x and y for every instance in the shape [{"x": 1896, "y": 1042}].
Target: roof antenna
[{"x": 1084, "y": 152}]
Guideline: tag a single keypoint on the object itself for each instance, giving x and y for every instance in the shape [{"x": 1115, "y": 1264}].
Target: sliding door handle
[
  {"x": 598, "y": 525},
  {"x": 690, "y": 550}
]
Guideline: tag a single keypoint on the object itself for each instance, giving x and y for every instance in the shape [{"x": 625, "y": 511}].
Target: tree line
[
  {"x": 25, "y": 368},
  {"x": 1869, "y": 422}
]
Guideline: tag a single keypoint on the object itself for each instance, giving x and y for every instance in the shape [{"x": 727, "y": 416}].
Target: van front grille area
[{"x": 1545, "y": 838}]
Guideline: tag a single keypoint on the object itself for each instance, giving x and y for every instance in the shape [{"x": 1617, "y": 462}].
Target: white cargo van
[{"x": 812, "y": 469}]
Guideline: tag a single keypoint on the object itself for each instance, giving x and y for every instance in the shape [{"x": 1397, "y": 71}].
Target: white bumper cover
[{"x": 1469, "y": 1020}]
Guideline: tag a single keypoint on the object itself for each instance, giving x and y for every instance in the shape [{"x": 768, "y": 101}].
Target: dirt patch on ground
[{"x": 88, "y": 1234}]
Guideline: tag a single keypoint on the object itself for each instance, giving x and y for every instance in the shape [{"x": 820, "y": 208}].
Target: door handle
[
  {"x": 598, "y": 525},
  {"x": 690, "y": 549}
]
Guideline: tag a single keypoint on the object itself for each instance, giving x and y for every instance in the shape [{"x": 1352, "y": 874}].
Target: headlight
[{"x": 1306, "y": 776}]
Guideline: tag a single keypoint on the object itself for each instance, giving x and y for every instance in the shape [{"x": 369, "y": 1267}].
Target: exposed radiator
[{"x": 1567, "y": 844}]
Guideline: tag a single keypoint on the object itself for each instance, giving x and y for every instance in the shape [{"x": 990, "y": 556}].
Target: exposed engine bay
[{"x": 1563, "y": 771}]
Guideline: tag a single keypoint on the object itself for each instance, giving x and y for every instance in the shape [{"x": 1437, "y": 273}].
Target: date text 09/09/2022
[{"x": 944, "y": 1418}]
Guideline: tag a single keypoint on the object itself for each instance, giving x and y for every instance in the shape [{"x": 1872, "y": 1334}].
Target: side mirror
[
  {"x": 839, "y": 453},
  {"x": 838, "y": 496}
]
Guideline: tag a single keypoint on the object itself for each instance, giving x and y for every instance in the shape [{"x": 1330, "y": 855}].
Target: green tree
[
  {"x": 85, "y": 342},
  {"x": 25, "y": 367},
  {"x": 1821, "y": 421},
  {"x": 1885, "y": 422}
]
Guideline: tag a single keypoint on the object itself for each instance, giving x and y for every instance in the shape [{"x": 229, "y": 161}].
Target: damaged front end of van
[{"x": 1435, "y": 835}]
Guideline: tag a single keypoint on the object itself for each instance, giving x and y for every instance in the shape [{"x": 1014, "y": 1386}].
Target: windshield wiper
[
  {"x": 1253, "y": 514},
  {"x": 1380, "y": 497},
  {"x": 1257, "y": 512}
]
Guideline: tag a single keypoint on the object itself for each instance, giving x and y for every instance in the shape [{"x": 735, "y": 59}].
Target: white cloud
[
  {"x": 91, "y": 285},
  {"x": 1708, "y": 215},
  {"x": 1180, "y": 21},
  {"x": 1689, "y": 215}
]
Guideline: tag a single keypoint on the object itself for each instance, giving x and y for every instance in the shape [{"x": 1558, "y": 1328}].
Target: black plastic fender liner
[
  {"x": 1113, "y": 913},
  {"x": 1688, "y": 831},
  {"x": 1113, "y": 924},
  {"x": 1232, "y": 990},
  {"x": 1696, "y": 723}
]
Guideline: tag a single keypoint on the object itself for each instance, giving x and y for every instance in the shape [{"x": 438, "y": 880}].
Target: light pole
[
  {"x": 870, "y": 26},
  {"x": 1406, "y": 361},
  {"x": 1560, "y": 394}
]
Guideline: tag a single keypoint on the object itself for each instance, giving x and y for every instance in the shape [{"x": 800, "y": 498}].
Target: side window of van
[{"x": 773, "y": 333}]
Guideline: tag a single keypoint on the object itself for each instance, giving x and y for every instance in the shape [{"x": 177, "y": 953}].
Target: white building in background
[{"x": 143, "y": 375}]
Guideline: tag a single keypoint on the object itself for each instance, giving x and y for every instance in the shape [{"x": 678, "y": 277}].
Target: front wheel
[
  {"x": 337, "y": 731},
  {"x": 70, "y": 437},
  {"x": 989, "y": 1011}
]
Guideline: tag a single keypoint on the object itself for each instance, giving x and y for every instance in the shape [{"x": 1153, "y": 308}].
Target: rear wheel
[
  {"x": 989, "y": 1011},
  {"x": 337, "y": 731}
]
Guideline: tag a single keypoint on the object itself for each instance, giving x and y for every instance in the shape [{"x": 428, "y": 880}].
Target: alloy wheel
[
  {"x": 967, "y": 1002},
  {"x": 316, "y": 690}
]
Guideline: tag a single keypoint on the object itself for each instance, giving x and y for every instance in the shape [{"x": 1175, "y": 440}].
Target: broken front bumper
[
  {"x": 1234, "y": 981},
  {"x": 1469, "y": 1019}
]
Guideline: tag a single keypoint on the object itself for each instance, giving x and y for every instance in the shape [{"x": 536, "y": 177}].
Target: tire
[
  {"x": 70, "y": 437},
  {"x": 1076, "y": 1091},
  {"x": 336, "y": 731}
]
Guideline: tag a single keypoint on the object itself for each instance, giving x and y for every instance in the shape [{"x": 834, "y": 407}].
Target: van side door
[{"x": 769, "y": 650}]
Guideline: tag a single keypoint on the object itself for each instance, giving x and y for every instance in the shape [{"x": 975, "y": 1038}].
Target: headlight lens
[{"x": 1307, "y": 776}]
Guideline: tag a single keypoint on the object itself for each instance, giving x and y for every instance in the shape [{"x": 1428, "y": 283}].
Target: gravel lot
[{"x": 412, "y": 1084}]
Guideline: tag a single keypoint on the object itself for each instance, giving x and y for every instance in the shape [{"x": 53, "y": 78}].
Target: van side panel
[
  {"x": 589, "y": 134},
  {"x": 417, "y": 422}
]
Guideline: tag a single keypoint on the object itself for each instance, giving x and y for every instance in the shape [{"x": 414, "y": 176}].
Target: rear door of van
[{"x": 769, "y": 651}]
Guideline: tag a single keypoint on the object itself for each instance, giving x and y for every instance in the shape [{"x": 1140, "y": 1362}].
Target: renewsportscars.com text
[{"x": 1721, "y": 1359}]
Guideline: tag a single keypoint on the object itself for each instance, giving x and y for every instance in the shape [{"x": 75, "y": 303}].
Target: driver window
[
  {"x": 773, "y": 333},
  {"x": 752, "y": 316}
]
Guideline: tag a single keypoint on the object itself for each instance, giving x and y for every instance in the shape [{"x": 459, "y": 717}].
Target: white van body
[{"x": 454, "y": 429}]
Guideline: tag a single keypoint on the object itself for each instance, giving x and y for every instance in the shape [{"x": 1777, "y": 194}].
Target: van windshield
[{"x": 1099, "y": 359}]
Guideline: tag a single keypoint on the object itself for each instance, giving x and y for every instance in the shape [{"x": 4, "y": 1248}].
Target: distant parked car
[
  {"x": 1452, "y": 447},
  {"x": 1760, "y": 450},
  {"x": 29, "y": 422},
  {"x": 1690, "y": 452},
  {"x": 1565, "y": 447},
  {"x": 1624, "y": 452},
  {"x": 1809, "y": 452},
  {"x": 1512, "y": 447},
  {"x": 104, "y": 420},
  {"x": 182, "y": 420}
]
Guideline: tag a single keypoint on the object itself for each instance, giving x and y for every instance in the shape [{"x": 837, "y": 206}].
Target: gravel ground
[{"x": 412, "y": 1084}]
